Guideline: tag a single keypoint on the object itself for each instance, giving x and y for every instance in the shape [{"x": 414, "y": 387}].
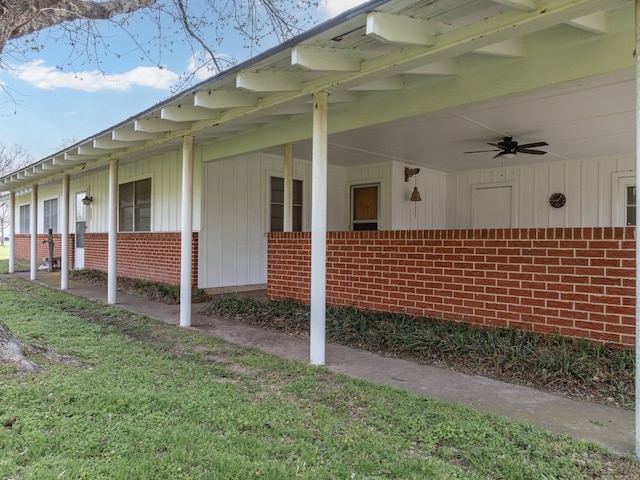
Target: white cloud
[
  {"x": 49, "y": 78},
  {"x": 333, "y": 7},
  {"x": 202, "y": 67}
]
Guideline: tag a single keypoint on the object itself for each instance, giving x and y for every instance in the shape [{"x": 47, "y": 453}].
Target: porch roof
[{"x": 418, "y": 81}]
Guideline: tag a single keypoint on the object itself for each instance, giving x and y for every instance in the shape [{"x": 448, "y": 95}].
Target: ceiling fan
[{"x": 508, "y": 148}]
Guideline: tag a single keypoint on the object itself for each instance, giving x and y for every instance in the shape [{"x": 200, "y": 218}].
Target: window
[
  {"x": 135, "y": 206},
  {"x": 50, "y": 214},
  {"x": 630, "y": 205},
  {"x": 277, "y": 205},
  {"x": 25, "y": 218},
  {"x": 623, "y": 188},
  {"x": 365, "y": 207}
]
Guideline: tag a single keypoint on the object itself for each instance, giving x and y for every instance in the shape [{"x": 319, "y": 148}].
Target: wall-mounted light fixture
[{"x": 87, "y": 200}]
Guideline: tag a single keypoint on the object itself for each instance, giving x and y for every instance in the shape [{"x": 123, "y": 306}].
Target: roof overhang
[{"x": 381, "y": 62}]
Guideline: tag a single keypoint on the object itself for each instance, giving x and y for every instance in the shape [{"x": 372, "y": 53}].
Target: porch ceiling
[{"x": 418, "y": 81}]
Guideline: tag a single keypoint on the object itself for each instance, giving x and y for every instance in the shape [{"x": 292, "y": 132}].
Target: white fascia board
[
  {"x": 222, "y": 99},
  {"x": 158, "y": 125},
  {"x": 325, "y": 59},
  {"x": 400, "y": 29},
  {"x": 186, "y": 113},
  {"x": 594, "y": 23},
  {"x": 269, "y": 81}
]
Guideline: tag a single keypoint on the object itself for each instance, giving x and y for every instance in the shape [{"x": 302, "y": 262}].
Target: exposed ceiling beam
[
  {"x": 128, "y": 134},
  {"x": 221, "y": 99},
  {"x": 106, "y": 142},
  {"x": 158, "y": 125},
  {"x": 443, "y": 67},
  {"x": 269, "y": 81},
  {"x": 594, "y": 23},
  {"x": 400, "y": 29},
  {"x": 389, "y": 83},
  {"x": 526, "y": 5},
  {"x": 509, "y": 48},
  {"x": 185, "y": 113},
  {"x": 325, "y": 59}
]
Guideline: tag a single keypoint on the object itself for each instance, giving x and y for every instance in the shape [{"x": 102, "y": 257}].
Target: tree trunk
[{"x": 12, "y": 351}]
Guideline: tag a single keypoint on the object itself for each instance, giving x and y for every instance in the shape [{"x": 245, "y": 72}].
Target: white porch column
[
  {"x": 637, "y": 231},
  {"x": 112, "y": 269},
  {"x": 288, "y": 188},
  {"x": 33, "y": 226},
  {"x": 12, "y": 232},
  {"x": 186, "y": 251},
  {"x": 319, "y": 229},
  {"x": 64, "y": 253}
]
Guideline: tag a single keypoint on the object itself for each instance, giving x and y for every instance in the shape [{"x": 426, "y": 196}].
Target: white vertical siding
[
  {"x": 428, "y": 214},
  {"x": 585, "y": 183},
  {"x": 338, "y": 201},
  {"x": 233, "y": 243}
]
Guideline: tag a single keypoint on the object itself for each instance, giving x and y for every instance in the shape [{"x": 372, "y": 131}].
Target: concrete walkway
[{"x": 609, "y": 426}]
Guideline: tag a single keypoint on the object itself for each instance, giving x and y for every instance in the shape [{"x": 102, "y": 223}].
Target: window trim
[
  {"x": 45, "y": 228},
  {"x": 619, "y": 182},
  {"x": 352, "y": 189},
  {"x": 134, "y": 180},
  {"x": 27, "y": 225},
  {"x": 280, "y": 175}
]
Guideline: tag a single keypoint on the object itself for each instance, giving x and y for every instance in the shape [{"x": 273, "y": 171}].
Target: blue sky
[{"x": 53, "y": 107}]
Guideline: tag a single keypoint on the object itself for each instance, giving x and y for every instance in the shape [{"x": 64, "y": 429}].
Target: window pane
[
  {"x": 297, "y": 219},
  {"x": 126, "y": 219},
  {"x": 277, "y": 190},
  {"x": 143, "y": 219},
  {"x": 25, "y": 219},
  {"x": 126, "y": 195},
  {"x": 50, "y": 215},
  {"x": 297, "y": 192},
  {"x": 631, "y": 195},
  {"x": 277, "y": 218},
  {"x": 631, "y": 215},
  {"x": 143, "y": 192}
]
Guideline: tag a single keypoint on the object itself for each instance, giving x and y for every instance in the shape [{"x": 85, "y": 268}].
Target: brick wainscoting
[
  {"x": 23, "y": 247},
  {"x": 578, "y": 282},
  {"x": 145, "y": 256}
]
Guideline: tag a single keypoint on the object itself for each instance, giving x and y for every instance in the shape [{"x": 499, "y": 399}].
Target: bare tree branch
[{"x": 23, "y": 17}]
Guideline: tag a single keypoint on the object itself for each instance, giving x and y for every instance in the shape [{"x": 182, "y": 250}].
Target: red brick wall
[
  {"x": 23, "y": 247},
  {"x": 145, "y": 256},
  {"x": 578, "y": 282}
]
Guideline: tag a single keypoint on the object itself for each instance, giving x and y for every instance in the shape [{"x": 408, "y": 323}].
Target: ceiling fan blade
[
  {"x": 532, "y": 145},
  {"x": 532, "y": 152},
  {"x": 482, "y": 151}
]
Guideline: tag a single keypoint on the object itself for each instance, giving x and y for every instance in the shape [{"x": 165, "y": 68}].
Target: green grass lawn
[
  {"x": 146, "y": 400},
  {"x": 20, "y": 266}
]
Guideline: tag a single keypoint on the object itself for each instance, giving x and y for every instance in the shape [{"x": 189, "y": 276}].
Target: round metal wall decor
[{"x": 557, "y": 200}]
